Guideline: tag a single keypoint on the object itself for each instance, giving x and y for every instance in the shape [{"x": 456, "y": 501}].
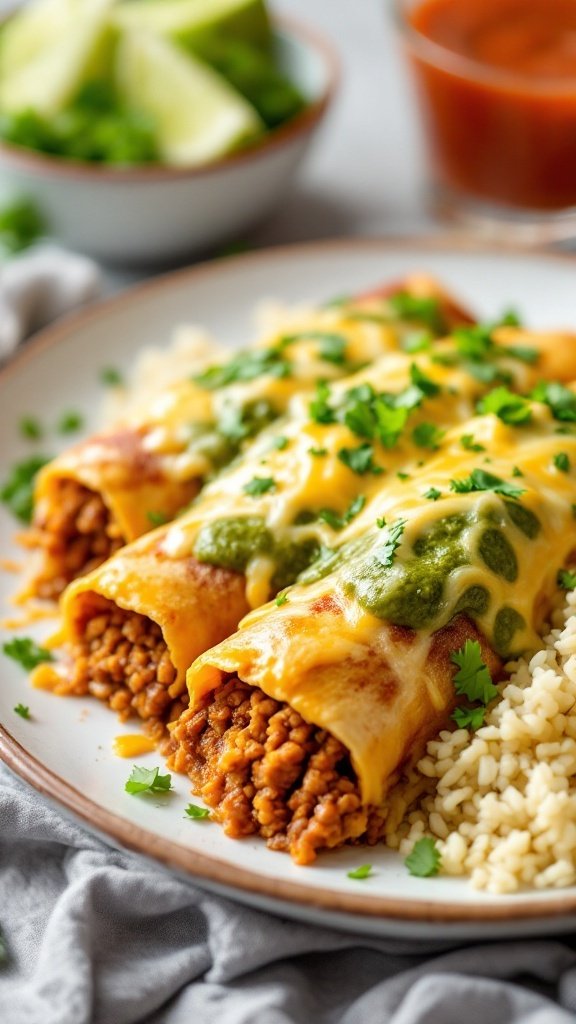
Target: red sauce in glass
[{"x": 502, "y": 123}]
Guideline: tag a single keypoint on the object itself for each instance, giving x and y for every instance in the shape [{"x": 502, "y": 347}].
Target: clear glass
[{"x": 502, "y": 147}]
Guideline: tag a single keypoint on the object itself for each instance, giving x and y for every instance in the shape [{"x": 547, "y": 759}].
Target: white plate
[{"x": 66, "y": 750}]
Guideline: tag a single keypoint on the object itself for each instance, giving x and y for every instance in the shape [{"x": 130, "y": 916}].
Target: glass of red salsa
[{"x": 496, "y": 81}]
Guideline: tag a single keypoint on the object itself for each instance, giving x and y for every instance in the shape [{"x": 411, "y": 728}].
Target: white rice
[{"x": 502, "y": 801}]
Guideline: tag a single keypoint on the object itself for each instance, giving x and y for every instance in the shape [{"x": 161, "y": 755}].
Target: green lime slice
[
  {"x": 193, "y": 21},
  {"x": 199, "y": 117}
]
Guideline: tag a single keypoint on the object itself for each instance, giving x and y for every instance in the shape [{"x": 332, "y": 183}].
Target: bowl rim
[{"x": 49, "y": 166}]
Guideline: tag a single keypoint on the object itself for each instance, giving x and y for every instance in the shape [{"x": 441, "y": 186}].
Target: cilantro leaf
[
  {"x": 364, "y": 871},
  {"x": 279, "y": 443},
  {"x": 560, "y": 400},
  {"x": 259, "y": 485},
  {"x": 381, "y": 522},
  {"x": 470, "y": 445},
  {"x": 360, "y": 460},
  {"x": 338, "y": 522},
  {"x": 390, "y": 423},
  {"x": 196, "y": 813},
  {"x": 417, "y": 341},
  {"x": 320, "y": 409},
  {"x": 157, "y": 518},
  {"x": 245, "y": 366},
  {"x": 385, "y": 553},
  {"x": 422, "y": 382},
  {"x": 509, "y": 407},
  {"x": 17, "y": 491},
  {"x": 31, "y": 428},
  {"x": 473, "y": 679},
  {"x": 147, "y": 780},
  {"x": 432, "y": 494},
  {"x": 525, "y": 353},
  {"x": 20, "y": 225},
  {"x": 562, "y": 462},
  {"x": 281, "y": 599},
  {"x": 426, "y": 309},
  {"x": 424, "y": 860},
  {"x": 69, "y": 422},
  {"x": 467, "y": 717},
  {"x": 23, "y": 710},
  {"x": 427, "y": 435},
  {"x": 318, "y": 452},
  {"x": 332, "y": 349},
  {"x": 110, "y": 377},
  {"x": 567, "y": 579},
  {"x": 480, "y": 480},
  {"x": 26, "y": 652}
]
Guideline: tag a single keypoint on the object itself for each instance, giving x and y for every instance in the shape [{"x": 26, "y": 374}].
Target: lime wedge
[
  {"x": 199, "y": 116},
  {"x": 47, "y": 82},
  {"x": 192, "y": 22},
  {"x": 34, "y": 28}
]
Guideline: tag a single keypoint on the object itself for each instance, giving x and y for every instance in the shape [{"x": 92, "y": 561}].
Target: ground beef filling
[
  {"x": 122, "y": 659},
  {"x": 266, "y": 771},
  {"x": 77, "y": 534}
]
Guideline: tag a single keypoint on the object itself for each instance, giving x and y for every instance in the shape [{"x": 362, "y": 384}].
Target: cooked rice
[{"x": 502, "y": 801}]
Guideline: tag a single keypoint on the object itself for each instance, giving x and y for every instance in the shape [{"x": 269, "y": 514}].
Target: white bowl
[{"x": 150, "y": 214}]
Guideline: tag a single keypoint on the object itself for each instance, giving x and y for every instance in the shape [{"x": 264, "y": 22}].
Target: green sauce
[
  {"x": 292, "y": 558},
  {"x": 523, "y": 518},
  {"x": 507, "y": 622},
  {"x": 232, "y": 542},
  {"x": 475, "y": 600},
  {"x": 498, "y": 554}
]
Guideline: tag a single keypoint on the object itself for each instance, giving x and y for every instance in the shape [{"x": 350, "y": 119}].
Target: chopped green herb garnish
[
  {"x": 424, "y": 859},
  {"x": 509, "y": 407},
  {"x": 469, "y": 717},
  {"x": 111, "y": 378},
  {"x": 320, "y": 409},
  {"x": 516, "y": 471},
  {"x": 281, "y": 599},
  {"x": 279, "y": 443},
  {"x": 196, "y": 813},
  {"x": 422, "y": 382},
  {"x": 332, "y": 348},
  {"x": 147, "y": 780},
  {"x": 360, "y": 460},
  {"x": 417, "y": 341},
  {"x": 69, "y": 422},
  {"x": 17, "y": 492},
  {"x": 338, "y": 522},
  {"x": 411, "y": 307},
  {"x": 318, "y": 452},
  {"x": 26, "y": 652},
  {"x": 509, "y": 318},
  {"x": 381, "y": 522},
  {"x": 157, "y": 518},
  {"x": 31, "y": 428},
  {"x": 23, "y": 710},
  {"x": 20, "y": 225},
  {"x": 246, "y": 366},
  {"x": 259, "y": 485},
  {"x": 390, "y": 423},
  {"x": 432, "y": 494},
  {"x": 428, "y": 435},
  {"x": 562, "y": 462},
  {"x": 470, "y": 445},
  {"x": 403, "y": 476},
  {"x": 364, "y": 871},
  {"x": 385, "y": 553},
  {"x": 561, "y": 400},
  {"x": 473, "y": 679},
  {"x": 567, "y": 579},
  {"x": 480, "y": 480},
  {"x": 525, "y": 353}
]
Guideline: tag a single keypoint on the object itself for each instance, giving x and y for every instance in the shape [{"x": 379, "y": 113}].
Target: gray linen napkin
[{"x": 95, "y": 936}]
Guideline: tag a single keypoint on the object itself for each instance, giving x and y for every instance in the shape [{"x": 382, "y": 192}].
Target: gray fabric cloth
[{"x": 95, "y": 936}]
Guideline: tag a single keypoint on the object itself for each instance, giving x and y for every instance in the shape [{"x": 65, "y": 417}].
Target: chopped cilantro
[
  {"x": 427, "y": 435},
  {"x": 473, "y": 679},
  {"x": 525, "y": 353},
  {"x": 245, "y": 366},
  {"x": 487, "y": 373},
  {"x": 390, "y": 423},
  {"x": 470, "y": 445},
  {"x": 509, "y": 407},
  {"x": 319, "y": 452},
  {"x": 196, "y": 813},
  {"x": 147, "y": 780},
  {"x": 20, "y": 225},
  {"x": 17, "y": 491},
  {"x": 417, "y": 341},
  {"x": 157, "y": 518},
  {"x": 320, "y": 408},
  {"x": 386, "y": 552},
  {"x": 469, "y": 717},
  {"x": 567, "y": 579},
  {"x": 381, "y": 522},
  {"x": 360, "y": 460},
  {"x": 338, "y": 522},
  {"x": 364, "y": 871},
  {"x": 510, "y": 318},
  {"x": 69, "y": 422},
  {"x": 281, "y": 599},
  {"x": 111, "y": 377},
  {"x": 31, "y": 428},
  {"x": 422, "y": 382},
  {"x": 424, "y": 859},
  {"x": 259, "y": 485},
  {"x": 432, "y": 494},
  {"x": 403, "y": 476},
  {"x": 412, "y": 307},
  {"x": 562, "y": 462},
  {"x": 332, "y": 348},
  {"x": 480, "y": 480},
  {"x": 23, "y": 710},
  {"x": 516, "y": 471},
  {"x": 560, "y": 400},
  {"x": 26, "y": 652},
  {"x": 279, "y": 443}
]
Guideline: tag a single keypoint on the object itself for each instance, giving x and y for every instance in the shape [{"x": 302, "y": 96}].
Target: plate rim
[{"x": 170, "y": 853}]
